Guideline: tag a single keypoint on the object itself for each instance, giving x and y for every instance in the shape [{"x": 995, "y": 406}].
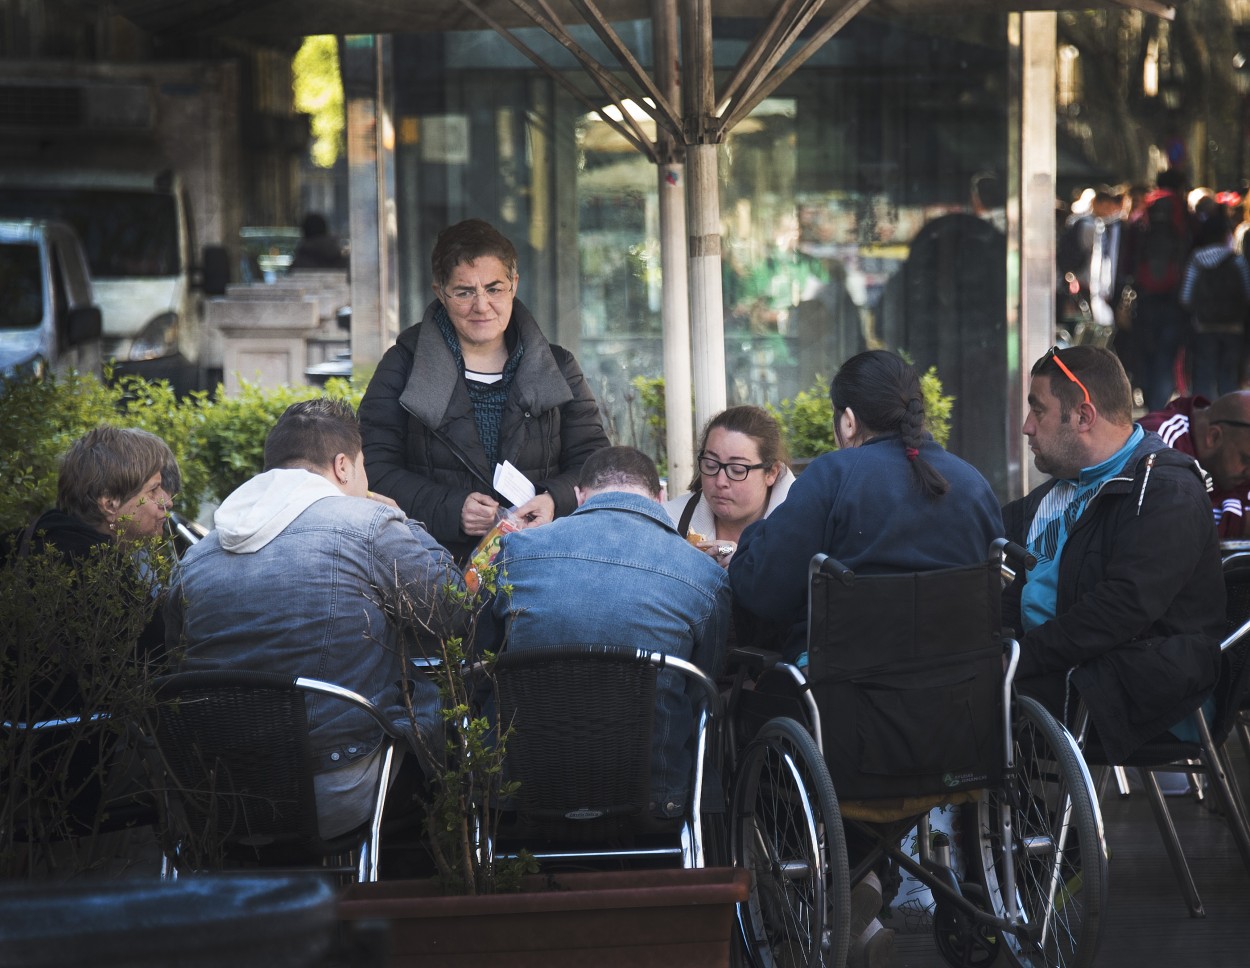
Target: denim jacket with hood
[{"x": 299, "y": 578}]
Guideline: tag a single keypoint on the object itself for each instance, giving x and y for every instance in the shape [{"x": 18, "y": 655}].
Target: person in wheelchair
[
  {"x": 889, "y": 499},
  {"x": 616, "y": 572},
  {"x": 1125, "y": 607}
]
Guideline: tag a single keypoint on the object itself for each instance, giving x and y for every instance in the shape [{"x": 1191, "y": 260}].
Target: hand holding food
[{"x": 720, "y": 551}]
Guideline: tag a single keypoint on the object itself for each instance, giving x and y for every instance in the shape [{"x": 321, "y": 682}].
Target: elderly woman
[
  {"x": 742, "y": 476},
  {"x": 474, "y": 384}
]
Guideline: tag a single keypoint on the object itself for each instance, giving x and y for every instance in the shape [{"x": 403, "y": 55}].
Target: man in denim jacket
[
  {"x": 616, "y": 572},
  {"x": 308, "y": 573}
]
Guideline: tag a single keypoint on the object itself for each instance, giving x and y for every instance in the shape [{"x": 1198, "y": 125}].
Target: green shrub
[
  {"x": 807, "y": 420},
  {"x": 218, "y": 440},
  {"x": 228, "y": 433}
]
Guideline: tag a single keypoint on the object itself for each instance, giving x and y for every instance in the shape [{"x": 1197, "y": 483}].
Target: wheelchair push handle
[{"x": 1014, "y": 557}]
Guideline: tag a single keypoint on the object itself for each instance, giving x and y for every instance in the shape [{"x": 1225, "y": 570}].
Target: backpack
[
  {"x": 1218, "y": 295},
  {"x": 1162, "y": 244}
]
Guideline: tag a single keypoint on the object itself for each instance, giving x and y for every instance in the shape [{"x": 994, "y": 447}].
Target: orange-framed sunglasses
[{"x": 1053, "y": 354}]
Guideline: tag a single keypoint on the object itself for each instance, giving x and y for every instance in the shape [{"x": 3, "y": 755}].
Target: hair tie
[{"x": 911, "y": 452}]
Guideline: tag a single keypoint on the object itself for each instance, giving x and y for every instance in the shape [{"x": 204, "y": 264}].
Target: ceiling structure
[
  {"x": 690, "y": 119},
  {"x": 287, "y": 18}
]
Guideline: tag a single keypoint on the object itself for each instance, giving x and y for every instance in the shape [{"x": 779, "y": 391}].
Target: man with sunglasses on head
[
  {"x": 1217, "y": 436},
  {"x": 1125, "y": 606}
]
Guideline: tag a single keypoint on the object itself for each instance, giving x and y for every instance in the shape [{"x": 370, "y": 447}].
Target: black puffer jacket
[
  {"x": 1140, "y": 607},
  {"x": 421, "y": 442}
]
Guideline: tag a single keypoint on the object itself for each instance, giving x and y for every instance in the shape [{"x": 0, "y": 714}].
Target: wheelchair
[{"x": 906, "y": 705}]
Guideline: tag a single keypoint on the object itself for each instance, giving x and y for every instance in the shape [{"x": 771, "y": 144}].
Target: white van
[
  {"x": 48, "y": 318},
  {"x": 133, "y": 225}
]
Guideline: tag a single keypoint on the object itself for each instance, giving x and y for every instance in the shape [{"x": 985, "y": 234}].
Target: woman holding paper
[{"x": 473, "y": 391}]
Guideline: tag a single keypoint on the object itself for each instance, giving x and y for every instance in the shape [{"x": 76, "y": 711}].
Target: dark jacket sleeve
[
  {"x": 581, "y": 434},
  {"x": 1139, "y": 579},
  {"x": 384, "y": 426},
  {"x": 768, "y": 572}
]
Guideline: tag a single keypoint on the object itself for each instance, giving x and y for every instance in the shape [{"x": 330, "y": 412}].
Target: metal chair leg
[
  {"x": 1121, "y": 780},
  {"x": 1167, "y": 830},
  {"x": 1218, "y": 779}
]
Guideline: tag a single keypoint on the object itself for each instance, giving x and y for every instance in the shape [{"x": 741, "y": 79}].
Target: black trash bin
[{"x": 215, "y": 921}]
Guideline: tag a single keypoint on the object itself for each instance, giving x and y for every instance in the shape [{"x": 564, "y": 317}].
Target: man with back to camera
[
  {"x": 1125, "y": 606},
  {"x": 1217, "y": 436},
  {"x": 300, "y": 575},
  {"x": 616, "y": 572}
]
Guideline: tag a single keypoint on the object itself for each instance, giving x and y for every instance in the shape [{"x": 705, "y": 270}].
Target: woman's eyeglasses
[
  {"x": 710, "y": 467},
  {"x": 1053, "y": 354},
  {"x": 465, "y": 296}
]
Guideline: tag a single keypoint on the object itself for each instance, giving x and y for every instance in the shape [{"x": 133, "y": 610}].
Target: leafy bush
[
  {"x": 807, "y": 420},
  {"x": 69, "y": 634},
  {"x": 650, "y": 391},
  {"x": 218, "y": 440}
]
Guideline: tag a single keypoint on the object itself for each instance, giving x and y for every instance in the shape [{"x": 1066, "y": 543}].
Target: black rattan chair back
[
  {"x": 235, "y": 751},
  {"x": 581, "y": 743}
]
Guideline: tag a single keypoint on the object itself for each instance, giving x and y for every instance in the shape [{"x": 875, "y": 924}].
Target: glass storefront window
[{"x": 848, "y": 220}]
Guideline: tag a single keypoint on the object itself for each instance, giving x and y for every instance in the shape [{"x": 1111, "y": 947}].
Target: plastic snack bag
[{"x": 487, "y": 549}]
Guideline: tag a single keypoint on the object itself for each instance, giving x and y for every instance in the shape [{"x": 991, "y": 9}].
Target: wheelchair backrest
[{"x": 907, "y": 672}]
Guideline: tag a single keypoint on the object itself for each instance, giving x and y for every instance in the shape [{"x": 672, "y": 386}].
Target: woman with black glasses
[
  {"x": 888, "y": 500},
  {"x": 741, "y": 477}
]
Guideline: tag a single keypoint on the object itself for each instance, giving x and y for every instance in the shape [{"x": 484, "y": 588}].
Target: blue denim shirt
[
  {"x": 313, "y": 602},
  {"x": 615, "y": 572}
]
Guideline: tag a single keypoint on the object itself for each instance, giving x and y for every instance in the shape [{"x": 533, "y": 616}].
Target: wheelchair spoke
[
  {"x": 784, "y": 818},
  {"x": 1041, "y": 848}
]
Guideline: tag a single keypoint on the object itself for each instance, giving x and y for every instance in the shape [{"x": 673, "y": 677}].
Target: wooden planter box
[{"x": 631, "y": 919}]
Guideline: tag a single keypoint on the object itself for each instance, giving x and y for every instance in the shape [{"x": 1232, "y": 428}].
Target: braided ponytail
[{"x": 911, "y": 430}]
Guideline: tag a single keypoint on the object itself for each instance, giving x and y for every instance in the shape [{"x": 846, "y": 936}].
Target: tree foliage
[
  {"x": 318, "y": 91},
  {"x": 1118, "y": 117}
]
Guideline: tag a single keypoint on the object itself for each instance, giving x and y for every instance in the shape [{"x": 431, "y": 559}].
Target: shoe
[
  {"x": 865, "y": 904},
  {"x": 872, "y": 949}
]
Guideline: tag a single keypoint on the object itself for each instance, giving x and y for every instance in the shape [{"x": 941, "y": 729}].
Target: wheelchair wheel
[
  {"x": 786, "y": 829},
  {"x": 1056, "y": 850}
]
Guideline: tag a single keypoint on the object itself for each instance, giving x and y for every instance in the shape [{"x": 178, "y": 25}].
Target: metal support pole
[
  {"x": 707, "y": 316},
  {"x": 675, "y": 310},
  {"x": 371, "y": 190},
  {"x": 1033, "y": 35}
]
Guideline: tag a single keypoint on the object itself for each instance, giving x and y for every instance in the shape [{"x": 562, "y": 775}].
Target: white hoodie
[{"x": 259, "y": 510}]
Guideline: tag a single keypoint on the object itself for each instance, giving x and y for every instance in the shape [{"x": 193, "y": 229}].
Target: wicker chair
[
  {"x": 581, "y": 747},
  {"x": 238, "y": 788}
]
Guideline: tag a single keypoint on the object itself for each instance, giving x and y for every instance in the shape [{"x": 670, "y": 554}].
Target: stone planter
[{"x": 630, "y": 919}]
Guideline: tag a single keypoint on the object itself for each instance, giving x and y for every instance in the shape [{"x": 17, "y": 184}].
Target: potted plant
[{"x": 482, "y": 910}]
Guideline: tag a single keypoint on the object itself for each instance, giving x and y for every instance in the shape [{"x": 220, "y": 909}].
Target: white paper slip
[{"x": 512, "y": 484}]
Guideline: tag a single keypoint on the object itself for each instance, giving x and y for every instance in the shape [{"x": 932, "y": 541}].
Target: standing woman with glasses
[
  {"x": 741, "y": 477},
  {"x": 476, "y": 383},
  {"x": 889, "y": 499}
]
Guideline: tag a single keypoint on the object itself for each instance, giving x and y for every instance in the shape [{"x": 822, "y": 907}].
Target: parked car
[{"x": 48, "y": 316}]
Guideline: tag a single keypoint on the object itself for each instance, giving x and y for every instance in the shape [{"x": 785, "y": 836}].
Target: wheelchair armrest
[{"x": 753, "y": 659}]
